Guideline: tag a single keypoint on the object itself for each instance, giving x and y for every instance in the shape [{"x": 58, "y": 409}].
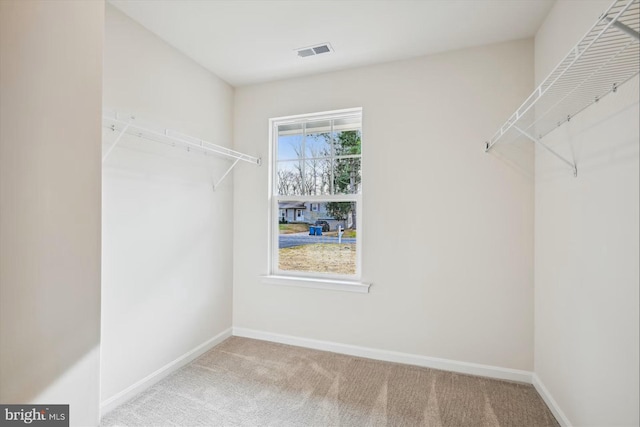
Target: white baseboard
[
  {"x": 550, "y": 401},
  {"x": 391, "y": 356},
  {"x": 126, "y": 394}
]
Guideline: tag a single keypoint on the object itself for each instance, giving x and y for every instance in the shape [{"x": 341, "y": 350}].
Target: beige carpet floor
[{"x": 244, "y": 382}]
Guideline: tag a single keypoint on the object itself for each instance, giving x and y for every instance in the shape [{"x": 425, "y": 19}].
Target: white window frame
[{"x": 320, "y": 280}]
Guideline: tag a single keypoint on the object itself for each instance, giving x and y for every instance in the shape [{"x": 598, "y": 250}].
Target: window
[{"x": 316, "y": 193}]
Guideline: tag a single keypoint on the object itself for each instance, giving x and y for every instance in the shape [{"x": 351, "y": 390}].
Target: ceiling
[{"x": 252, "y": 41}]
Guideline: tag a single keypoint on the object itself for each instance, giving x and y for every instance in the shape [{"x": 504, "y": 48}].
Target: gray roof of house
[{"x": 292, "y": 205}]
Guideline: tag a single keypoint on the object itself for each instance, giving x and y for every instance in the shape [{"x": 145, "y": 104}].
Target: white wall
[
  {"x": 586, "y": 244},
  {"x": 50, "y": 103},
  {"x": 167, "y": 259},
  {"x": 447, "y": 230}
]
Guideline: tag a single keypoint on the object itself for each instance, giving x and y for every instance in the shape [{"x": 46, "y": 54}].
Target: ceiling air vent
[{"x": 314, "y": 50}]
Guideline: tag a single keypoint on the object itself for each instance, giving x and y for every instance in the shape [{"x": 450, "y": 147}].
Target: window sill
[{"x": 317, "y": 283}]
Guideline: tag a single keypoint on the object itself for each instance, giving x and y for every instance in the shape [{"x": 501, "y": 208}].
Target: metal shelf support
[
  {"x": 573, "y": 166},
  {"x": 115, "y": 141},
  {"x": 624, "y": 28},
  {"x": 216, "y": 184}
]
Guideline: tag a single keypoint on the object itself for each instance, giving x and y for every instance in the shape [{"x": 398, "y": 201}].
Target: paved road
[{"x": 299, "y": 239}]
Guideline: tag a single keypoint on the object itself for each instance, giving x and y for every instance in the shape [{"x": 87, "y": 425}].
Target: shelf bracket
[
  {"x": 217, "y": 184},
  {"x": 624, "y": 28},
  {"x": 549, "y": 149},
  {"x": 115, "y": 141}
]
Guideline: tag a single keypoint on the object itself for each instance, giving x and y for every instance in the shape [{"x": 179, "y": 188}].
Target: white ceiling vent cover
[{"x": 314, "y": 50}]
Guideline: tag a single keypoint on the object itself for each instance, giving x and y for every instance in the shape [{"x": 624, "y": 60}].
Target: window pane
[
  {"x": 347, "y": 142},
  {"x": 289, "y": 178},
  {"x": 318, "y": 139},
  {"x": 347, "y": 123},
  {"x": 318, "y": 126},
  {"x": 290, "y": 139},
  {"x": 347, "y": 176},
  {"x": 318, "y": 176},
  {"x": 325, "y": 243}
]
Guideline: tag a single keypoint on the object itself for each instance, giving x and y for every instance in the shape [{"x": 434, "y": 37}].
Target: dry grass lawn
[
  {"x": 346, "y": 234},
  {"x": 320, "y": 257},
  {"x": 293, "y": 228}
]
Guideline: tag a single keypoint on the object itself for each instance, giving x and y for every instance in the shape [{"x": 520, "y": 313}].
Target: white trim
[
  {"x": 308, "y": 117},
  {"x": 391, "y": 356},
  {"x": 548, "y": 399},
  {"x": 321, "y": 198},
  {"x": 136, "y": 388},
  {"x": 316, "y": 283}
]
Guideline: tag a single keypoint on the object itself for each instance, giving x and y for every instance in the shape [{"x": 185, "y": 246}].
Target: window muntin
[{"x": 316, "y": 194}]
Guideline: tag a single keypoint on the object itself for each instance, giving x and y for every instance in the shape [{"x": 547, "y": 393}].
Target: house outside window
[{"x": 316, "y": 195}]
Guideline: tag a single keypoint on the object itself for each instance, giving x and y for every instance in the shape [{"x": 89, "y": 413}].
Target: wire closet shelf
[
  {"x": 603, "y": 60},
  {"x": 121, "y": 124}
]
